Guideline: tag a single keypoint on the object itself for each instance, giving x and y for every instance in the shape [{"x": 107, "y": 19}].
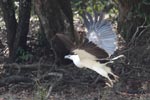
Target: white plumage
[{"x": 84, "y": 59}]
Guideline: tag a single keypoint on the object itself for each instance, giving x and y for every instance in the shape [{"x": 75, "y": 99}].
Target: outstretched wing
[
  {"x": 93, "y": 49},
  {"x": 100, "y": 32}
]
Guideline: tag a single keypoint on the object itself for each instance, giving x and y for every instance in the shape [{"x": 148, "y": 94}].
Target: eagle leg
[
  {"x": 116, "y": 78},
  {"x": 104, "y": 71}
]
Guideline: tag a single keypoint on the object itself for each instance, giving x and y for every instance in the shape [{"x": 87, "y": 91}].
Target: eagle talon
[{"x": 109, "y": 85}]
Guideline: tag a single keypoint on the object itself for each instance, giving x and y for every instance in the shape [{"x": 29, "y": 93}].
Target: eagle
[{"x": 95, "y": 51}]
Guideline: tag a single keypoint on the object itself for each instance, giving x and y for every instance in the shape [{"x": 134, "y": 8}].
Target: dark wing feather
[
  {"x": 65, "y": 40},
  {"x": 62, "y": 45},
  {"x": 94, "y": 50}
]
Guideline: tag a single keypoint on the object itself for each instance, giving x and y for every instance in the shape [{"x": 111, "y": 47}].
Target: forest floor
[{"x": 36, "y": 76}]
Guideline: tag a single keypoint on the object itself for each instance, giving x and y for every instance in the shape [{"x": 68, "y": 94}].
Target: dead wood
[
  {"x": 14, "y": 79},
  {"x": 27, "y": 66},
  {"x": 60, "y": 76}
]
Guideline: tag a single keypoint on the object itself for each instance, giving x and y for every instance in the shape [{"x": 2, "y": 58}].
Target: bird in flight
[{"x": 95, "y": 51}]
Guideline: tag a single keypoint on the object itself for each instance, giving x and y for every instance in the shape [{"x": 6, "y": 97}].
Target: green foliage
[
  {"x": 41, "y": 92},
  {"x": 78, "y": 6},
  {"x": 88, "y": 5},
  {"x": 23, "y": 55}
]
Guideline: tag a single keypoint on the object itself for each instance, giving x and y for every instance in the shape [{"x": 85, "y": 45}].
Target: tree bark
[
  {"x": 66, "y": 8},
  {"x": 23, "y": 26},
  {"x": 16, "y": 32},
  {"x": 55, "y": 16},
  {"x": 24, "y": 17},
  {"x": 7, "y": 7}
]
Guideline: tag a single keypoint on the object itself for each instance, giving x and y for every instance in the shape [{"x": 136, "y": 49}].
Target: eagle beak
[{"x": 67, "y": 56}]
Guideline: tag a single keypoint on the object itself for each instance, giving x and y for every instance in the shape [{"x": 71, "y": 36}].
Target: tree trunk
[
  {"x": 55, "y": 16},
  {"x": 23, "y": 26},
  {"x": 66, "y": 8},
  {"x": 132, "y": 14},
  {"x": 16, "y": 32},
  {"x": 7, "y": 7}
]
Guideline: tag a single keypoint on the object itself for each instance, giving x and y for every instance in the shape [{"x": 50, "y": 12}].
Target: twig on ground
[
  {"x": 15, "y": 79},
  {"x": 39, "y": 68},
  {"x": 27, "y": 66},
  {"x": 53, "y": 84},
  {"x": 20, "y": 85},
  {"x": 19, "y": 69}
]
